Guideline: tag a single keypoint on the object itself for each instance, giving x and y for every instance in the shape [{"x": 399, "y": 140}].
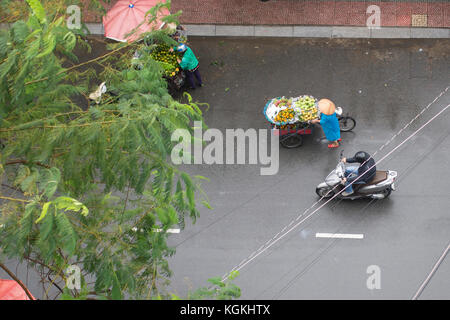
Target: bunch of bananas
[
  {"x": 167, "y": 59},
  {"x": 308, "y": 108}
]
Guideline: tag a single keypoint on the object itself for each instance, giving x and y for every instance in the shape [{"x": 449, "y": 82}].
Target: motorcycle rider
[{"x": 366, "y": 171}]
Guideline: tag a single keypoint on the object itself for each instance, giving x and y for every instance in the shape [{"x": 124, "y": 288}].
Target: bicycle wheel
[
  {"x": 290, "y": 141},
  {"x": 347, "y": 123}
]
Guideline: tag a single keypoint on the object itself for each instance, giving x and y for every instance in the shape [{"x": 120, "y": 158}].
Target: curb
[
  {"x": 210, "y": 30},
  {"x": 317, "y": 31}
]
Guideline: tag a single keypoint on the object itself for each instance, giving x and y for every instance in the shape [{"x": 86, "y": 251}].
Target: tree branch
[
  {"x": 79, "y": 65},
  {"x": 17, "y": 161},
  {"x": 14, "y": 199},
  {"x": 52, "y": 281}
]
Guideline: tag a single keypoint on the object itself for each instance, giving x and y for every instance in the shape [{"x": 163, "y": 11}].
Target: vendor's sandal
[{"x": 333, "y": 145}]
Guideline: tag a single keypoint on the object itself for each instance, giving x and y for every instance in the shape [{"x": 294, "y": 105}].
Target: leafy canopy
[{"x": 86, "y": 183}]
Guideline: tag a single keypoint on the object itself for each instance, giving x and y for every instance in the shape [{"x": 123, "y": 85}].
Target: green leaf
[
  {"x": 31, "y": 124},
  {"x": 38, "y": 10},
  {"x": 187, "y": 180},
  {"x": 233, "y": 275},
  {"x": 4, "y": 42},
  {"x": 34, "y": 33},
  {"x": 191, "y": 197},
  {"x": 20, "y": 31},
  {"x": 49, "y": 180},
  {"x": 67, "y": 235},
  {"x": 116, "y": 293},
  {"x": 174, "y": 297},
  {"x": 206, "y": 204},
  {"x": 162, "y": 216},
  {"x": 173, "y": 217},
  {"x": 5, "y": 67},
  {"x": 22, "y": 174},
  {"x": 29, "y": 184},
  {"x": 26, "y": 222},
  {"x": 49, "y": 45},
  {"x": 216, "y": 281},
  {"x": 201, "y": 178},
  {"x": 70, "y": 204},
  {"x": 46, "y": 226},
  {"x": 44, "y": 211}
]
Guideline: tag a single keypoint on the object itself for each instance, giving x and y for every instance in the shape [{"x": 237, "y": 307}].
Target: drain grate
[{"x": 419, "y": 20}]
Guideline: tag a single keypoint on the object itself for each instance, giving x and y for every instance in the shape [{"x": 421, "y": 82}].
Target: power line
[
  {"x": 312, "y": 206},
  {"x": 275, "y": 239},
  {"x": 430, "y": 275},
  {"x": 321, "y": 254},
  {"x": 403, "y": 175},
  {"x": 318, "y": 201}
]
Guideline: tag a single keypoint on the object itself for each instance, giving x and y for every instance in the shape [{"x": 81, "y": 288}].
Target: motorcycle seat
[{"x": 379, "y": 177}]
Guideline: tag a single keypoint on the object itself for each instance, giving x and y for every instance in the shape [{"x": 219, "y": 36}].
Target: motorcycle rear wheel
[{"x": 386, "y": 192}]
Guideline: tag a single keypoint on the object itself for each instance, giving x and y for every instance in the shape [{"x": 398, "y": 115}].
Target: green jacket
[{"x": 189, "y": 60}]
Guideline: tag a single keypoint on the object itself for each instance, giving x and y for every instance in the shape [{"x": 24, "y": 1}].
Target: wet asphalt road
[{"x": 383, "y": 84}]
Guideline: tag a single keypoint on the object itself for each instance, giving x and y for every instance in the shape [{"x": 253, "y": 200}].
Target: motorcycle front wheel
[{"x": 324, "y": 192}]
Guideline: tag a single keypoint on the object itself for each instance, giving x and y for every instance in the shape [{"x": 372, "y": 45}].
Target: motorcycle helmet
[{"x": 361, "y": 156}]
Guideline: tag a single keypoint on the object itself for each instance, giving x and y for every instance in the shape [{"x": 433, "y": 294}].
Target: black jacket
[{"x": 366, "y": 162}]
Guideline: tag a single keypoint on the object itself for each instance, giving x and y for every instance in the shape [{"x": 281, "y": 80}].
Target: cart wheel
[
  {"x": 290, "y": 141},
  {"x": 347, "y": 123}
]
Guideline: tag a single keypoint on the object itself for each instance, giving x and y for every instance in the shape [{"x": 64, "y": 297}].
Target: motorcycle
[{"x": 380, "y": 186}]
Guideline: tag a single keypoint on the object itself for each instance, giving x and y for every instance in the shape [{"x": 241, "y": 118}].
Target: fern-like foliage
[{"x": 66, "y": 159}]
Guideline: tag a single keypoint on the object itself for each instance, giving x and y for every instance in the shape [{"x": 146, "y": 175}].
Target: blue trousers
[
  {"x": 351, "y": 173},
  {"x": 190, "y": 78}
]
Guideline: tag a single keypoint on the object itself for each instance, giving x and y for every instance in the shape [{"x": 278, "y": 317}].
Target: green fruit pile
[
  {"x": 308, "y": 108},
  {"x": 167, "y": 59}
]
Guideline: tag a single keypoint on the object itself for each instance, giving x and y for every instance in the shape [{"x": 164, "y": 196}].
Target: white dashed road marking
[
  {"x": 339, "y": 236},
  {"x": 169, "y": 230}
]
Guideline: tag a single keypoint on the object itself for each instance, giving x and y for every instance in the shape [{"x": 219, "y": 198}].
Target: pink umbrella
[
  {"x": 11, "y": 290},
  {"x": 126, "y": 15}
]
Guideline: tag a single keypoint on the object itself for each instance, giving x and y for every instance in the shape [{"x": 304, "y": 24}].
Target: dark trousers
[{"x": 190, "y": 77}]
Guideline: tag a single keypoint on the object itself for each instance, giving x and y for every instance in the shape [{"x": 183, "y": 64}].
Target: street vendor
[
  {"x": 329, "y": 122},
  {"x": 189, "y": 64},
  {"x": 180, "y": 34}
]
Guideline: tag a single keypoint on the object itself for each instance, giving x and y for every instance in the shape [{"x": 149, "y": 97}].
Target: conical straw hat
[{"x": 327, "y": 106}]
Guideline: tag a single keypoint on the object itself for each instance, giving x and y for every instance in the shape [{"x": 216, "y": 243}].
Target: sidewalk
[
  {"x": 400, "y": 13},
  {"x": 306, "y": 18}
]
